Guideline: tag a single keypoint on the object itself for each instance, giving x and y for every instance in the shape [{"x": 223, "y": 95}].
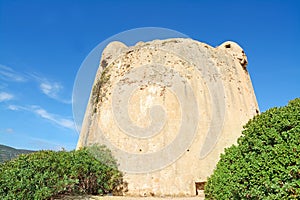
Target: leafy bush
[
  {"x": 45, "y": 174},
  {"x": 266, "y": 162}
]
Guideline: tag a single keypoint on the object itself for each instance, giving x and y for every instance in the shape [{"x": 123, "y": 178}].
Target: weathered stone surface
[{"x": 167, "y": 109}]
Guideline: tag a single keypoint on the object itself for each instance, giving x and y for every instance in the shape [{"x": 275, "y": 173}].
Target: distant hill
[{"x": 8, "y": 153}]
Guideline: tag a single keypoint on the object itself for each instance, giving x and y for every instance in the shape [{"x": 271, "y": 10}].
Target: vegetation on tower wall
[{"x": 96, "y": 96}]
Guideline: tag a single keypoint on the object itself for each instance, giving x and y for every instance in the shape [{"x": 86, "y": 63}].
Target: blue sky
[{"x": 43, "y": 43}]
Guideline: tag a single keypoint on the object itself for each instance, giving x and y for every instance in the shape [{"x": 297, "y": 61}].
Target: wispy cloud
[
  {"x": 54, "y": 118},
  {"x": 52, "y": 89},
  {"x": 15, "y": 108},
  {"x": 7, "y": 130},
  {"x": 3, "y": 85},
  {"x": 8, "y": 74},
  {"x": 4, "y": 96}
]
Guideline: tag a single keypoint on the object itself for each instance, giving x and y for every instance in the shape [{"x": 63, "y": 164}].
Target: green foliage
[
  {"x": 96, "y": 97},
  {"x": 266, "y": 162},
  {"x": 45, "y": 174}
]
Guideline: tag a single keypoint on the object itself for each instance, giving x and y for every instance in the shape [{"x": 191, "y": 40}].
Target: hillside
[{"x": 8, "y": 153}]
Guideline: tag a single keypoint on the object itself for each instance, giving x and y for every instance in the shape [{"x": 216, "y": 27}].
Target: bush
[
  {"x": 46, "y": 174},
  {"x": 266, "y": 162}
]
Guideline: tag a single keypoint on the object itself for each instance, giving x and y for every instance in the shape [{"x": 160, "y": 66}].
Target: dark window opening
[
  {"x": 199, "y": 187},
  {"x": 227, "y": 46}
]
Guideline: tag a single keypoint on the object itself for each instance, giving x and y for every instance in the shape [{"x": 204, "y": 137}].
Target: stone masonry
[{"x": 167, "y": 109}]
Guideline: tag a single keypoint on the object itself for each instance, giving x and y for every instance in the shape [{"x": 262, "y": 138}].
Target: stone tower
[{"x": 167, "y": 109}]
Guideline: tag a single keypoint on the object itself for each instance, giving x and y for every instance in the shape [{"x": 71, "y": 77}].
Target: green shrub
[
  {"x": 266, "y": 162},
  {"x": 45, "y": 174}
]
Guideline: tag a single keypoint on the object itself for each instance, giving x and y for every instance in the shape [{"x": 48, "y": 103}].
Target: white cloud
[
  {"x": 52, "y": 89},
  {"x": 3, "y": 85},
  {"x": 9, "y": 130},
  {"x": 63, "y": 122},
  {"x": 15, "y": 108},
  {"x": 56, "y": 119},
  {"x": 5, "y": 96},
  {"x": 8, "y": 74}
]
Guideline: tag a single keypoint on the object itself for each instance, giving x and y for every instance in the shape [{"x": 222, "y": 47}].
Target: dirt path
[{"x": 199, "y": 197}]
